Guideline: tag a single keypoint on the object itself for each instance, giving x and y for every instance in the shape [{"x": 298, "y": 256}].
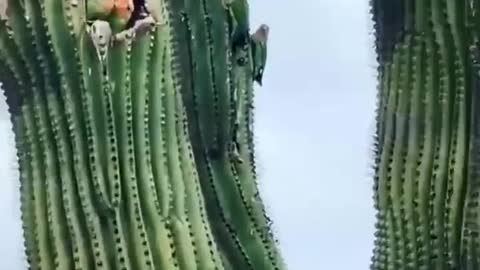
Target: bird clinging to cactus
[
  {"x": 259, "y": 52},
  {"x": 116, "y": 12}
]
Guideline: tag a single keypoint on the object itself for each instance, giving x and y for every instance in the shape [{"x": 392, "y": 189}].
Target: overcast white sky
[{"x": 314, "y": 128}]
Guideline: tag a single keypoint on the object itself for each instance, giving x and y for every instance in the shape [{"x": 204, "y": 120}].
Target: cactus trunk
[
  {"x": 426, "y": 179},
  {"x": 135, "y": 140}
]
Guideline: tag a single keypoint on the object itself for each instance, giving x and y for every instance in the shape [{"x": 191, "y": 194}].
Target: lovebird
[
  {"x": 259, "y": 52},
  {"x": 116, "y": 12}
]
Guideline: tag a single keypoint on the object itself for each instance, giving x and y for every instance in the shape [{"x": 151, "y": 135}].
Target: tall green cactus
[
  {"x": 427, "y": 139},
  {"x": 133, "y": 123}
]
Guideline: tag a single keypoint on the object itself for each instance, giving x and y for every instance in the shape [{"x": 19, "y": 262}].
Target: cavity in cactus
[
  {"x": 133, "y": 123},
  {"x": 427, "y": 139}
]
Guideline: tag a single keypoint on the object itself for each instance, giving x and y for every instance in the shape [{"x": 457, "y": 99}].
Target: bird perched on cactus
[
  {"x": 116, "y": 12},
  {"x": 259, "y": 52}
]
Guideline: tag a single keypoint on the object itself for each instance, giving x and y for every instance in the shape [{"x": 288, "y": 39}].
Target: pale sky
[{"x": 314, "y": 129}]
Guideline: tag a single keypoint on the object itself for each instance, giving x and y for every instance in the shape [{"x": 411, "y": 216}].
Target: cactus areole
[
  {"x": 427, "y": 180},
  {"x": 133, "y": 124}
]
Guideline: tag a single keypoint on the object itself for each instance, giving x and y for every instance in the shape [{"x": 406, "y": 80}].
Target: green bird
[
  {"x": 116, "y": 12},
  {"x": 121, "y": 14},
  {"x": 259, "y": 52}
]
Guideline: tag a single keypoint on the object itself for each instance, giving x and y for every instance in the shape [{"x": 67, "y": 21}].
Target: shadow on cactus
[{"x": 133, "y": 123}]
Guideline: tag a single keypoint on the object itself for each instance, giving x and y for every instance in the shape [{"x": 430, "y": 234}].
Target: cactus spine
[
  {"x": 134, "y": 129},
  {"x": 426, "y": 180}
]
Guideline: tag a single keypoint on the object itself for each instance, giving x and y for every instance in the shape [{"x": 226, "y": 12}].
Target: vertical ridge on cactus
[{"x": 135, "y": 139}]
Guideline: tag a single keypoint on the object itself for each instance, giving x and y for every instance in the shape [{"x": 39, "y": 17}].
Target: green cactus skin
[
  {"x": 136, "y": 148},
  {"x": 426, "y": 143}
]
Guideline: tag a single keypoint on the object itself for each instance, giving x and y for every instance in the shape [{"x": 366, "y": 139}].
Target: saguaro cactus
[
  {"x": 426, "y": 181},
  {"x": 133, "y": 123}
]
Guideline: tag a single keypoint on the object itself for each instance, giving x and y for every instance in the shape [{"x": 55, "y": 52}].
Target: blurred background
[{"x": 314, "y": 130}]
